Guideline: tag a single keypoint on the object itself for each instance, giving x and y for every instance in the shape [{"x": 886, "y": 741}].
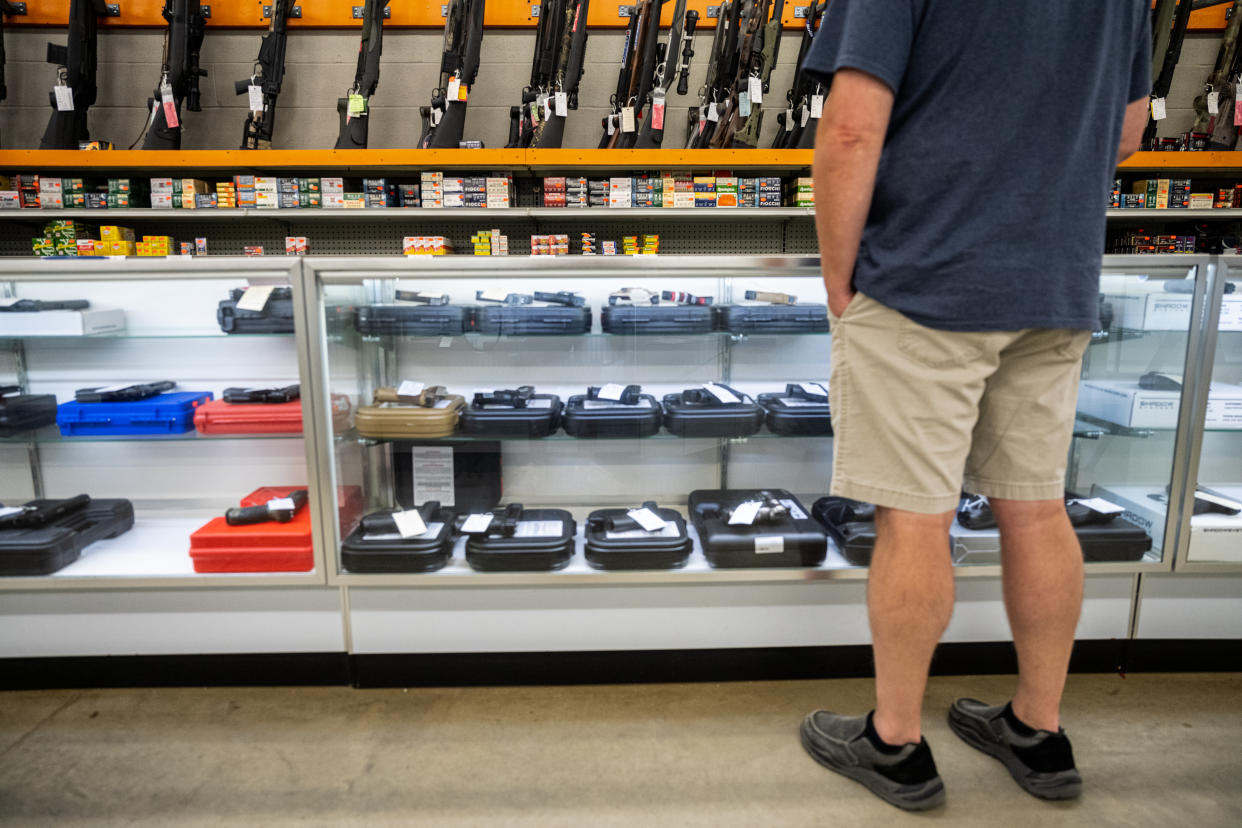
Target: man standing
[{"x": 962, "y": 167}]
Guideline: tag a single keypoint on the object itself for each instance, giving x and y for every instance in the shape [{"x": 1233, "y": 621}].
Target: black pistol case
[
  {"x": 53, "y": 546},
  {"x": 537, "y": 320},
  {"x": 23, "y": 412},
  {"x": 413, "y": 320},
  {"x": 788, "y": 416},
  {"x": 794, "y": 540},
  {"x": 759, "y": 319},
  {"x": 376, "y": 545},
  {"x": 656, "y": 319},
  {"x": 275, "y": 318},
  {"x": 605, "y": 548},
  {"x": 604, "y": 418},
  {"x": 540, "y": 417},
  {"x": 711, "y": 417},
  {"x": 543, "y": 540}
]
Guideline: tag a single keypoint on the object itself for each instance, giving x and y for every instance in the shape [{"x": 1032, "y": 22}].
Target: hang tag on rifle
[
  {"x": 534, "y": 112},
  {"x": 627, "y": 119},
  {"x": 562, "y": 105},
  {"x": 1213, "y": 102},
  {"x": 657, "y": 109},
  {"x": 454, "y": 88},
  {"x": 756, "y": 90},
  {"x": 1159, "y": 109},
  {"x": 612, "y": 124},
  {"x": 806, "y": 116},
  {"x": 743, "y": 104},
  {"x": 546, "y": 103},
  {"x": 1237, "y": 113},
  {"x": 789, "y": 119},
  {"x": 170, "y": 106},
  {"x": 256, "y": 97},
  {"x": 357, "y": 106},
  {"x": 64, "y": 98},
  {"x": 409, "y": 523},
  {"x": 436, "y": 115},
  {"x": 817, "y": 106},
  {"x": 713, "y": 114}
]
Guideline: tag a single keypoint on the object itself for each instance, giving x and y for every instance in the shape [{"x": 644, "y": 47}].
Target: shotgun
[
  {"x": 355, "y": 107},
  {"x": 179, "y": 75},
  {"x": 76, "y": 88}
]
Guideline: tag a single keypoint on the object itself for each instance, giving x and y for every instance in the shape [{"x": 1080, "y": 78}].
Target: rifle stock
[
  {"x": 355, "y": 128},
  {"x": 1220, "y": 126},
  {"x": 260, "y": 126},
  {"x": 463, "y": 40},
  {"x": 77, "y": 61},
  {"x": 183, "y": 41}
]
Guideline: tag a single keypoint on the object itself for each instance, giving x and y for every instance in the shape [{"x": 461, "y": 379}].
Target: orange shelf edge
[{"x": 1184, "y": 161}]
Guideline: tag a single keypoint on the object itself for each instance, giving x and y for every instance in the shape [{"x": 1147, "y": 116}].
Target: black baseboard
[
  {"x": 233, "y": 670},
  {"x": 586, "y": 667}
]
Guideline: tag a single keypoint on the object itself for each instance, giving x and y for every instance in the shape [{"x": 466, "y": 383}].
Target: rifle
[
  {"x": 529, "y": 117},
  {"x": 611, "y": 123},
  {"x": 5, "y": 8},
  {"x": 75, "y": 73},
  {"x": 747, "y": 132},
  {"x": 794, "y": 120},
  {"x": 701, "y": 121},
  {"x": 355, "y": 106},
  {"x": 1170, "y": 35},
  {"x": 750, "y": 35},
  {"x": 445, "y": 120},
  {"x": 648, "y": 53},
  {"x": 568, "y": 76},
  {"x": 1220, "y": 125},
  {"x": 677, "y": 54},
  {"x": 178, "y": 76},
  {"x": 269, "y": 74}
]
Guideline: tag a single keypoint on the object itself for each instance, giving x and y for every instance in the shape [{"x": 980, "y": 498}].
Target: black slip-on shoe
[
  {"x": 907, "y": 778},
  {"x": 1040, "y": 761}
]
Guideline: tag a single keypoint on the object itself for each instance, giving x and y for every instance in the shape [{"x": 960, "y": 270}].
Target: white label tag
[
  {"x": 562, "y": 105},
  {"x": 433, "y": 530},
  {"x": 545, "y": 103},
  {"x": 436, "y": 115},
  {"x": 657, "y": 109},
  {"x": 446, "y": 341},
  {"x": 649, "y": 520},
  {"x": 612, "y": 124},
  {"x": 1237, "y": 91},
  {"x": 170, "y": 107},
  {"x": 813, "y": 388},
  {"x": 627, "y": 119},
  {"x": 756, "y": 90},
  {"x": 64, "y": 98},
  {"x": 255, "y": 298},
  {"x": 256, "y": 97},
  {"x": 443, "y": 404},
  {"x": 817, "y": 106},
  {"x": 494, "y": 295},
  {"x": 433, "y": 475},
  {"x": 806, "y": 116},
  {"x": 477, "y": 524},
  {"x": 769, "y": 544},
  {"x": 669, "y": 530},
  {"x": 454, "y": 87},
  {"x": 789, "y": 123},
  {"x": 1099, "y": 504},
  {"x": 410, "y": 388},
  {"x": 409, "y": 523},
  {"x": 743, "y": 104},
  {"x": 790, "y": 402},
  {"x": 611, "y": 391},
  {"x": 1213, "y": 102},
  {"x": 539, "y": 529},
  {"x": 281, "y": 503},
  {"x": 745, "y": 513},
  {"x": 713, "y": 114},
  {"x": 1158, "y": 109},
  {"x": 721, "y": 393},
  {"x": 5, "y": 511},
  {"x": 593, "y": 404}
]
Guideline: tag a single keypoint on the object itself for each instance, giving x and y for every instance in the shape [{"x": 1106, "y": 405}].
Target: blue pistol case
[{"x": 168, "y": 413}]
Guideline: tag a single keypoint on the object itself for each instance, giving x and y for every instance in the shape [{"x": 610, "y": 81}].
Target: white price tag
[
  {"x": 817, "y": 106},
  {"x": 611, "y": 391},
  {"x": 657, "y": 109},
  {"x": 721, "y": 393},
  {"x": 627, "y": 119},
  {"x": 64, "y": 98},
  {"x": 612, "y": 124},
  {"x": 745, "y": 513},
  {"x": 647, "y": 519},
  {"x": 256, "y": 97},
  {"x": 1099, "y": 504},
  {"x": 454, "y": 88},
  {"x": 597, "y": 404},
  {"x": 409, "y": 523},
  {"x": 255, "y": 298},
  {"x": 769, "y": 544},
  {"x": 477, "y": 524},
  {"x": 281, "y": 503},
  {"x": 444, "y": 404},
  {"x": 813, "y": 388},
  {"x": 493, "y": 295},
  {"x": 713, "y": 114},
  {"x": 539, "y": 529},
  {"x": 1213, "y": 102},
  {"x": 170, "y": 107},
  {"x": 756, "y": 90},
  {"x": 806, "y": 116},
  {"x": 446, "y": 342},
  {"x": 436, "y": 115},
  {"x": 789, "y": 123},
  {"x": 5, "y": 511},
  {"x": 410, "y": 388},
  {"x": 1158, "y": 109},
  {"x": 743, "y": 104},
  {"x": 562, "y": 105},
  {"x": 545, "y": 104}
]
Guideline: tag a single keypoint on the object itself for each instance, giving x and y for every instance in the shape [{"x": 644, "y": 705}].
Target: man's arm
[
  {"x": 847, "y": 154},
  {"x": 1131, "y": 130}
]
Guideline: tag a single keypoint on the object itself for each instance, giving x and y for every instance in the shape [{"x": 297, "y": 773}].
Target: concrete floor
[{"x": 1157, "y": 750}]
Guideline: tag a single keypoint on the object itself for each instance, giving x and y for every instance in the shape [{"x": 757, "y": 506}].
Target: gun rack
[{"x": 515, "y": 14}]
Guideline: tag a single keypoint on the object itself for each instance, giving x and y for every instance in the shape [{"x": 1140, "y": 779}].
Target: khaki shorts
[{"x": 919, "y": 413}]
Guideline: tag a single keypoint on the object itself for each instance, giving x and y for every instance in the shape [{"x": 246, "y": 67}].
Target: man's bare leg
[
  {"x": 1043, "y": 579},
  {"x": 910, "y": 601}
]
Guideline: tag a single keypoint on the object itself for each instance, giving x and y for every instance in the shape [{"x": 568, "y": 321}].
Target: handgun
[
  {"x": 32, "y": 517},
  {"x": 262, "y": 395},
  {"x": 35, "y": 305},
  {"x": 422, "y": 298},
  {"x": 773, "y": 298},
  {"x": 382, "y": 523},
  {"x": 561, "y": 297},
  {"x": 123, "y": 393},
  {"x": 629, "y": 396},
  {"x": 512, "y": 397},
  {"x": 799, "y": 391},
  {"x": 283, "y": 510}
]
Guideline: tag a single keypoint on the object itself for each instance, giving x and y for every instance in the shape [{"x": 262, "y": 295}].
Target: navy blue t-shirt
[{"x": 989, "y": 206}]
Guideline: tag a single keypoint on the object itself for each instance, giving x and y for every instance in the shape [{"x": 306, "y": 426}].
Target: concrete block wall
[{"x": 320, "y": 66}]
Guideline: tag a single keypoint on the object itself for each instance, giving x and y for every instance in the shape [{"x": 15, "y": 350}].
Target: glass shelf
[
  {"x": 562, "y": 437},
  {"x": 51, "y": 435},
  {"x": 157, "y": 334},
  {"x": 624, "y": 337}
]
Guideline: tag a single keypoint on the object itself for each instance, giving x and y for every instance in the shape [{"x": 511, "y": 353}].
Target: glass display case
[
  {"x": 151, "y": 430},
  {"x": 1212, "y": 537},
  {"x": 523, "y": 420}
]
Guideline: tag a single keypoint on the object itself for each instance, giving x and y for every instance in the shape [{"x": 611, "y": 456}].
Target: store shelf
[
  {"x": 1177, "y": 214},
  {"x": 154, "y": 553},
  {"x": 152, "y": 334},
  {"x": 417, "y": 214},
  {"x": 1209, "y": 162},
  {"x": 477, "y": 338},
  {"x": 562, "y": 437},
  {"x": 51, "y": 435}
]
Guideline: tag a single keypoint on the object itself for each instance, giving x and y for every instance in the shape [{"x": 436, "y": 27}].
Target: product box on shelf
[
  {"x": 92, "y": 321},
  {"x": 1214, "y": 537},
  {"x": 242, "y": 313},
  {"x": 512, "y": 413},
  {"x": 1124, "y": 403},
  {"x": 1161, "y": 311},
  {"x": 23, "y": 412}
]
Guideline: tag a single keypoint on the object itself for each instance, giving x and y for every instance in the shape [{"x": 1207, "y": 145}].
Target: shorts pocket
[{"x": 937, "y": 349}]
